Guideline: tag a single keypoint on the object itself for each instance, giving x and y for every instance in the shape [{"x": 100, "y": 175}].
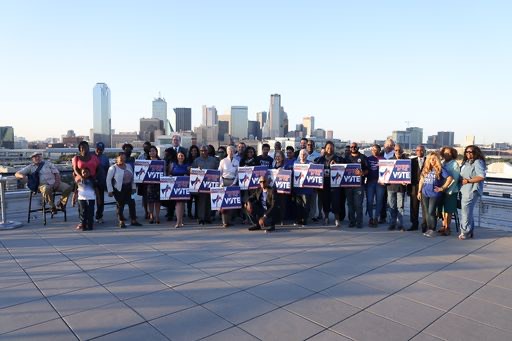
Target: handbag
[{"x": 33, "y": 179}]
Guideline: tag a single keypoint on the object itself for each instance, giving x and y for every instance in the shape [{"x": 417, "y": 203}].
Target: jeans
[
  {"x": 396, "y": 207},
  {"x": 355, "y": 205},
  {"x": 86, "y": 212},
  {"x": 467, "y": 220},
  {"x": 429, "y": 205},
  {"x": 124, "y": 197},
  {"x": 374, "y": 194},
  {"x": 100, "y": 200}
]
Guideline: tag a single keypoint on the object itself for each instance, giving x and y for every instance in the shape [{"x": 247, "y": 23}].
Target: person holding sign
[
  {"x": 374, "y": 190},
  {"x": 261, "y": 207},
  {"x": 204, "y": 161},
  {"x": 355, "y": 195},
  {"x": 229, "y": 174},
  {"x": 434, "y": 180},
  {"x": 330, "y": 197},
  {"x": 301, "y": 196},
  {"x": 449, "y": 199},
  {"x": 179, "y": 168},
  {"x": 396, "y": 196}
]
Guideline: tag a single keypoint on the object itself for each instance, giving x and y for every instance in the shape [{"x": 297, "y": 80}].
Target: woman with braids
[
  {"x": 472, "y": 173},
  {"x": 433, "y": 181}
]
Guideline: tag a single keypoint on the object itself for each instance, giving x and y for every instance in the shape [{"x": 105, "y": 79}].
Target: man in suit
[
  {"x": 262, "y": 207},
  {"x": 417, "y": 164},
  {"x": 176, "y": 144}
]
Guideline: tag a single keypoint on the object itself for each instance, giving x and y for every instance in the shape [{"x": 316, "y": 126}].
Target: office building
[
  {"x": 261, "y": 117},
  {"x": 102, "y": 126},
  {"x": 209, "y": 116},
  {"x": 254, "y": 131},
  {"x": 160, "y": 112},
  {"x": 309, "y": 124},
  {"x": 7, "y": 137},
  {"x": 416, "y": 137},
  {"x": 274, "y": 115},
  {"x": 150, "y": 128},
  {"x": 238, "y": 121},
  {"x": 445, "y": 138},
  {"x": 329, "y": 135},
  {"x": 182, "y": 119}
]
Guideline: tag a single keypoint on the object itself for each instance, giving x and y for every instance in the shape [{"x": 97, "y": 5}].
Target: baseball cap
[
  {"x": 100, "y": 145},
  {"x": 35, "y": 154}
]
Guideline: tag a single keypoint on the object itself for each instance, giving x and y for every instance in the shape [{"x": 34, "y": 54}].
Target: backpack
[{"x": 33, "y": 179}]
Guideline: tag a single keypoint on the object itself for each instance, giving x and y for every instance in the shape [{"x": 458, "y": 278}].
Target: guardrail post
[{"x": 4, "y": 223}]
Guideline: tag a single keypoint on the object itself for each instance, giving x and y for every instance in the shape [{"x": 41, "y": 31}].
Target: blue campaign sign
[
  {"x": 281, "y": 180},
  {"x": 248, "y": 176},
  {"x": 211, "y": 179},
  {"x": 350, "y": 178},
  {"x": 399, "y": 173},
  {"x": 225, "y": 198},
  {"x": 148, "y": 171},
  {"x": 314, "y": 176},
  {"x": 174, "y": 188},
  {"x": 336, "y": 174}
]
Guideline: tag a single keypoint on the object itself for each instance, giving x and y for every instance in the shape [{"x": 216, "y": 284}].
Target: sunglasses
[{"x": 469, "y": 152}]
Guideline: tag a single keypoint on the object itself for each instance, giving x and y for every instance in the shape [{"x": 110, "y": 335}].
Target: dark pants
[
  {"x": 100, "y": 200},
  {"x": 124, "y": 197},
  {"x": 414, "y": 209},
  {"x": 301, "y": 208},
  {"x": 204, "y": 207},
  {"x": 257, "y": 212},
  {"x": 430, "y": 208},
  {"x": 355, "y": 205},
  {"x": 86, "y": 212},
  {"x": 331, "y": 198}
]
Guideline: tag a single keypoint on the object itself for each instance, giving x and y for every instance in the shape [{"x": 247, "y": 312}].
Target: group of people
[{"x": 438, "y": 184}]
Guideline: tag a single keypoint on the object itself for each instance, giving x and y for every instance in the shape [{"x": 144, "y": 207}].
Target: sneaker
[
  {"x": 99, "y": 221},
  {"x": 122, "y": 224},
  {"x": 430, "y": 233},
  {"x": 337, "y": 223}
]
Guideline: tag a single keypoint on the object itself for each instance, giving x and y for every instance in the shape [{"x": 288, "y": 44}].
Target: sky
[{"x": 362, "y": 68}]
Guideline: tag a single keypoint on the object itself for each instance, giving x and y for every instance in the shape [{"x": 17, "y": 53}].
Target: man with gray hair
[
  {"x": 176, "y": 144},
  {"x": 204, "y": 161}
]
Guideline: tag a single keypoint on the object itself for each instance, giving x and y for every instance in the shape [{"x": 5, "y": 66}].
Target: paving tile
[
  {"x": 115, "y": 273},
  {"x": 328, "y": 335},
  {"x": 406, "y": 312},
  {"x": 19, "y": 294},
  {"x": 39, "y": 257},
  {"x": 280, "y": 292},
  {"x": 246, "y": 278},
  {"x": 80, "y": 300},
  {"x": 55, "y": 330},
  {"x": 382, "y": 280},
  {"x": 367, "y": 326},
  {"x": 313, "y": 280},
  {"x": 25, "y": 315},
  {"x": 281, "y": 325},
  {"x": 496, "y": 295},
  {"x": 503, "y": 280},
  {"x": 103, "y": 320},
  {"x": 343, "y": 269},
  {"x": 449, "y": 282},
  {"x": 477, "y": 269},
  {"x": 180, "y": 275},
  {"x": 463, "y": 329},
  {"x": 432, "y": 296},
  {"x": 62, "y": 285},
  {"x": 355, "y": 294},
  {"x": 231, "y": 334},
  {"x": 134, "y": 287},
  {"x": 217, "y": 266},
  {"x": 322, "y": 310},
  {"x": 205, "y": 290},
  {"x": 485, "y": 312},
  {"x": 13, "y": 276},
  {"x": 99, "y": 261},
  {"x": 190, "y": 324},
  {"x": 156, "y": 264},
  {"x": 53, "y": 270},
  {"x": 143, "y": 331},
  {"x": 239, "y": 307},
  {"x": 159, "y": 303},
  {"x": 425, "y": 337},
  {"x": 279, "y": 269}
]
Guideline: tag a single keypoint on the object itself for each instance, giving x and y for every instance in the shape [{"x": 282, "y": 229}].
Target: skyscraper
[
  {"x": 261, "y": 117},
  {"x": 209, "y": 116},
  {"x": 7, "y": 137},
  {"x": 238, "y": 123},
  {"x": 160, "y": 112},
  {"x": 274, "y": 115},
  {"x": 102, "y": 126},
  {"x": 183, "y": 119},
  {"x": 416, "y": 136},
  {"x": 445, "y": 138},
  {"x": 309, "y": 124}
]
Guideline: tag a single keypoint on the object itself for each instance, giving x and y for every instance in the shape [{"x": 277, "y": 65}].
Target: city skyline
[{"x": 440, "y": 66}]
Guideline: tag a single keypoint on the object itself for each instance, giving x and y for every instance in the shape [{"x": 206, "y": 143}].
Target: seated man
[
  {"x": 262, "y": 207},
  {"x": 49, "y": 181}
]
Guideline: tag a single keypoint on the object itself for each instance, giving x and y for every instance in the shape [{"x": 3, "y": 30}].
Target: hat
[
  {"x": 100, "y": 145},
  {"x": 35, "y": 154}
]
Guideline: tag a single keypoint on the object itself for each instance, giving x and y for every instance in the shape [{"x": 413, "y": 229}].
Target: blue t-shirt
[
  {"x": 373, "y": 169},
  {"x": 430, "y": 181}
]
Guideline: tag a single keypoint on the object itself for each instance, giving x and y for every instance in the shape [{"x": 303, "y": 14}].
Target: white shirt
[{"x": 229, "y": 168}]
